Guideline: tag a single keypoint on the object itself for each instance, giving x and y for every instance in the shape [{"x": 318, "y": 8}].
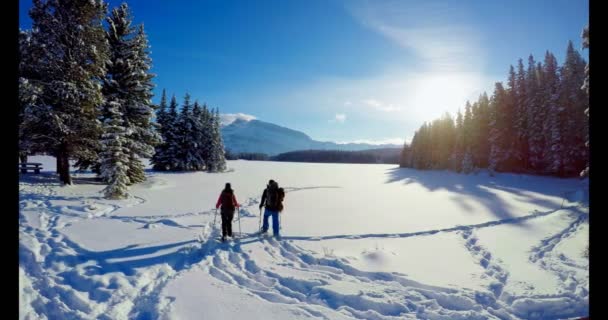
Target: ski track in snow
[{"x": 72, "y": 282}]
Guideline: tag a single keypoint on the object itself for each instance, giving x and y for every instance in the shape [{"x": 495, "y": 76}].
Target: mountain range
[{"x": 256, "y": 136}]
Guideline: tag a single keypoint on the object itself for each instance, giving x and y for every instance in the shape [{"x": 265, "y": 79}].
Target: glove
[{"x": 261, "y": 205}]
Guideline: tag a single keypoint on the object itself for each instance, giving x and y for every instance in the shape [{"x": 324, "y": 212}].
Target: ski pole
[
  {"x": 239, "y": 213},
  {"x": 214, "y": 216},
  {"x": 260, "y": 224}
]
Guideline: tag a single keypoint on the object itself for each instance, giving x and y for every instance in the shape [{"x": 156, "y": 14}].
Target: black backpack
[
  {"x": 227, "y": 201},
  {"x": 275, "y": 196}
]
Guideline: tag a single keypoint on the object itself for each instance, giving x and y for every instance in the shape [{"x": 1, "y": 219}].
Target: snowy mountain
[{"x": 243, "y": 135}]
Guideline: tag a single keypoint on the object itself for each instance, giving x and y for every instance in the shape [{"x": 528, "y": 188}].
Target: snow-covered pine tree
[
  {"x": 188, "y": 158},
  {"x": 159, "y": 159},
  {"x": 205, "y": 148},
  {"x": 183, "y": 135},
  {"x": 417, "y": 148},
  {"x": 585, "y": 87},
  {"x": 498, "y": 128},
  {"x": 467, "y": 162},
  {"x": 31, "y": 117},
  {"x": 70, "y": 39},
  {"x": 114, "y": 156},
  {"x": 197, "y": 135},
  {"x": 172, "y": 136},
  {"x": 474, "y": 132},
  {"x": 435, "y": 152},
  {"x": 553, "y": 125},
  {"x": 534, "y": 116},
  {"x": 482, "y": 152},
  {"x": 425, "y": 147},
  {"x": 574, "y": 100},
  {"x": 447, "y": 140},
  {"x": 456, "y": 157},
  {"x": 129, "y": 79},
  {"x": 521, "y": 131},
  {"x": 510, "y": 162},
  {"x": 217, "y": 162}
]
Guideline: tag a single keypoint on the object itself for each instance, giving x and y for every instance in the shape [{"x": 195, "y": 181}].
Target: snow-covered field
[{"x": 359, "y": 242}]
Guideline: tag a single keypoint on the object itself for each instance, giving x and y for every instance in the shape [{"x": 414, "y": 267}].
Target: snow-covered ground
[{"x": 359, "y": 242}]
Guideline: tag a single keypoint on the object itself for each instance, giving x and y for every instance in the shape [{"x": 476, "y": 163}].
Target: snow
[{"x": 358, "y": 242}]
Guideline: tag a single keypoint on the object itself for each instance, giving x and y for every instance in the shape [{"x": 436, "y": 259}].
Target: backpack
[
  {"x": 275, "y": 197},
  {"x": 227, "y": 203}
]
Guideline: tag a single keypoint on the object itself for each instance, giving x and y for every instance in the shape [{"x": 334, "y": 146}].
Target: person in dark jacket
[
  {"x": 227, "y": 201},
  {"x": 270, "y": 199}
]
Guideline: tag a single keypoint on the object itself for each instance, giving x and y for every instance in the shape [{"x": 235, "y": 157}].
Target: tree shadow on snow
[
  {"x": 129, "y": 258},
  {"x": 479, "y": 188}
]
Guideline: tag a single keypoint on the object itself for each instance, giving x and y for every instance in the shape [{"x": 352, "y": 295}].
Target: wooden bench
[{"x": 24, "y": 167}]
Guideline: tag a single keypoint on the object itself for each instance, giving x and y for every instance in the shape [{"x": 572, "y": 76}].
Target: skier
[
  {"x": 272, "y": 198},
  {"x": 227, "y": 200}
]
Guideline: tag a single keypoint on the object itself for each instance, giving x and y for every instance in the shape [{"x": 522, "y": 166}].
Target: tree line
[
  {"x": 535, "y": 124},
  {"x": 388, "y": 155}
]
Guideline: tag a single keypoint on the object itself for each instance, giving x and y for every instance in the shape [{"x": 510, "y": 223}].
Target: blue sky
[{"x": 346, "y": 70}]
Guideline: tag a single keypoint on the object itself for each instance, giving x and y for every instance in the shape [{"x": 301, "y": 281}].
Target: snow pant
[
  {"x": 227, "y": 216},
  {"x": 275, "y": 221}
]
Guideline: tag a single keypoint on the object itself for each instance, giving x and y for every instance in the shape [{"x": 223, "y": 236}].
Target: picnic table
[{"x": 34, "y": 166}]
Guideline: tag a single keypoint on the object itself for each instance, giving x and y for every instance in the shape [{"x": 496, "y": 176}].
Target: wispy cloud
[
  {"x": 433, "y": 31},
  {"x": 228, "y": 118},
  {"x": 340, "y": 118},
  {"x": 378, "y": 105}
]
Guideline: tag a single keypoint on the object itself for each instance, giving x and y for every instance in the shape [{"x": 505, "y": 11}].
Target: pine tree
[
  {"x": 128, "y": 79},
  {"x": 553, "y": 124},
  {"x": 184, "y": 156},
  {"x": 197, "y": 136},
  {"x": 447, "y": 140},
  {"x": 172, "y": 138},
  {"x": 585, "y": 87},
  {"x": 420, "y": 148},
  {"x": 405, "y": 158},
  {"x": 217, "y": 161},
  {"x": 482, "y": 153},
  {"x": 574, "y": 101},
  {"x": 520, "y": 129},
  {"x": 466, "y": 164},
  {"x": 508, "y": 116},
  {"x": 70, "y": 39},
  {"x": 31, "y": 117},
  {"x": 534, "y": 115},
  {"x": 498, "y": 129},
  {"x": 114, "y": 154},
  {"x": 459, "y": 145},
  {"x": 206, "y": 135},
  {"x": 159, "y": 159}
]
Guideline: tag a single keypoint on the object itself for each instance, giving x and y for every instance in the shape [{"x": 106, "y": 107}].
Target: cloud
[
  {"x": 340, "y": 117},
  {"x": 228, "y": 118},
  {"x": 436, "y": 33},
  {"x": 381, "y": 106}
]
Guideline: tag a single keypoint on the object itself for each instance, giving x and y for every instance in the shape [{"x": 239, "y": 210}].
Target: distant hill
[{"x": 255, "y": 136}]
